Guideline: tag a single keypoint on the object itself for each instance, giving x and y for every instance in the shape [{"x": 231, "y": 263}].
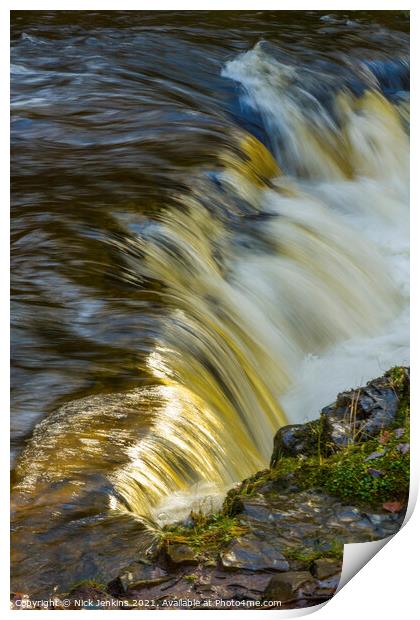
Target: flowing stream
[{"x": 210, "y": 240}]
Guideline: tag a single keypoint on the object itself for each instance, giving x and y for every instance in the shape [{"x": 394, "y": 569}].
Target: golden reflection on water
[
  {"x": 238, "y": 327},
  {"x": 244, "y": 309}
]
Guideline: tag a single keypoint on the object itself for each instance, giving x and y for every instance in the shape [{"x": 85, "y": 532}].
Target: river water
[{"x": 209, "y": 240}]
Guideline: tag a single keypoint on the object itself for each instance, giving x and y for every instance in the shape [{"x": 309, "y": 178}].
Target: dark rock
[
  {"x": 311, "y": 519},
  {"x": 256, "y": 510},
  {"x": 289, "y": 586},
  {"x": 339, "y": 433},
  {"x": 379, "y": 419},
  {"x": 296, "y": 439},
  {"x": 326, "y": 567},
  {"x": 365, "y": 411},
  {"x": 355, "y": 416},
  {"x": 181, "y": 554},
  {"x": 136, "y": 575},
  {"x": 250, "y": 553}
]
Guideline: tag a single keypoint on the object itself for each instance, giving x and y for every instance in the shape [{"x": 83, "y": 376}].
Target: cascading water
[
  {"x": 284, "y": 270},
  {"x": 247, "y": 316}
]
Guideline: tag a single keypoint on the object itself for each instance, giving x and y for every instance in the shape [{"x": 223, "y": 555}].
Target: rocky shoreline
[{"x": 278, "y": 539}]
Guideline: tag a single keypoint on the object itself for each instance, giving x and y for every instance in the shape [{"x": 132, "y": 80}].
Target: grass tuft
[{"x": 208, "y": 534}]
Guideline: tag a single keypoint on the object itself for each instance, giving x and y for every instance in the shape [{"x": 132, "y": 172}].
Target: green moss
[
  {"x": 399, "y": 378},
  {"x": 349, "y": 476},
  {"x": 207, "y": 535},
  {"x": 88, "y": 583},
  {"x": 345, "y": 474},
  {"x": 333, "y": 550}
]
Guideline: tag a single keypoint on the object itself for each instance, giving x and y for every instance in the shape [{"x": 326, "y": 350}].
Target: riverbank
[{"x": 278, "y": 539}]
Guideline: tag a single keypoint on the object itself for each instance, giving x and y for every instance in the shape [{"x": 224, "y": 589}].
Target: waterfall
[
  {"x": 292, "y": 286},
  {"x": 268, "y": 273}
]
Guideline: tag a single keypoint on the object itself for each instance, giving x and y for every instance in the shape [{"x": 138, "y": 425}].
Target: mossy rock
[
  {"x": 202, "y": 540},
  {"x": 310, "y": 456},
  {"x": 356, "y": 415}
]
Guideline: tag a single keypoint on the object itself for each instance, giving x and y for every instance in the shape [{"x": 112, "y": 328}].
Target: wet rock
[
  {"x": 340, "y": 433},
  {"x": 289, "y": 586},
  {"x": 251, "y": 553},
  {"x": 356, "y": 415},
  {"x": 326, "y": 567},
  {"x": 296, "y": 439},
  {"x": 256, "y": 510},
  {"x": 181, "y": 554},
  {"x": 380, "y": 419},
  {"x": 347, "y": 514},
  {"x": 365, "y": 412},
  {"x": 362, "y": 527},
  {"x": 326, "y": 588},
  {"x": 312, "y": 519},
  {"x": 136, "y": 575}
]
